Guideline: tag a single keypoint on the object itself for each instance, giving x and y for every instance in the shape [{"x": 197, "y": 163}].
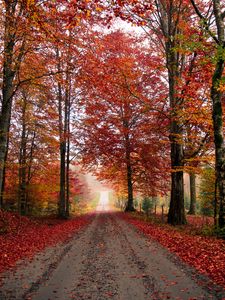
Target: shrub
[{"x": 147, "y": 204}]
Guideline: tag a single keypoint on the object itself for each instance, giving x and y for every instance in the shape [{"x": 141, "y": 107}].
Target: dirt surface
[{"x": 107, "y": 259}]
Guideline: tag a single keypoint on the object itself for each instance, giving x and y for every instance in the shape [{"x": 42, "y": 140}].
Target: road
[{"x": 107, "y": 260}]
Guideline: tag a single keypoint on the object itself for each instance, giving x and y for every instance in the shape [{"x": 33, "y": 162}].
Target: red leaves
[
  {"x": 23, "y": 237},
  {"x": 206, "y": 254}
]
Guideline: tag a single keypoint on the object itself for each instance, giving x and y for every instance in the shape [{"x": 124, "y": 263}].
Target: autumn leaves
[{"x": 132, "y": 109}]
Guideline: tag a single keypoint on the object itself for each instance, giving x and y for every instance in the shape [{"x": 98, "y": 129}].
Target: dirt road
[{"x": 108, "y": 259}]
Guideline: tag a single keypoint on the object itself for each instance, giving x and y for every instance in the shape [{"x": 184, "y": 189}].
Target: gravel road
[{"x": 107, "y": 259}]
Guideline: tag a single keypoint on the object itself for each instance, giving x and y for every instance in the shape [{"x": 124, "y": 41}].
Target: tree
[
  {"x": 147, "y": 205},
  {"x": 206, "y": 192},
  {"x": 170, "y": 15},
  {"x": 218, "y": 38},
  {"x": 171, "y": 27},
  {"x": 13, "y": 52},
  {"x": 120, "y": 121}
]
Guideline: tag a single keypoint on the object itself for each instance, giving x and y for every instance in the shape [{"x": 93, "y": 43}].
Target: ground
[{"x": 107, "y": 259}]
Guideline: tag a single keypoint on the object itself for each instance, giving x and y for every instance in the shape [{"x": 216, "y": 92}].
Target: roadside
[{"x": 107, "y": 259}]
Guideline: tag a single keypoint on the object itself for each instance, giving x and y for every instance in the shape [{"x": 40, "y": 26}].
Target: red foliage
[
  {"x": 200, "y": 221},
  {"x": 17, "y": 240},
  {"x": 206, "y": 254}
]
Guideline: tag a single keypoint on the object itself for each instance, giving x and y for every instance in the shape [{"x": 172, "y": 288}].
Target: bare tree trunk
[
  {"x": 5, "y": 116},
  {"x": 62, "y": 194},
  {"x": 22, "y": 200},
  {"x": 215, "y": 205},
  {"x": 68, "y": 178},
  {"x": 10, "y": 67},
  {"x": 67, "y": 138},
  {"x": 130, "y": 200},
  {"x": 219, "y": 143},
  {"x": 192, "y": 210},
  {"x": 216, "y": 97},
  {"x": 62, "y": 149},
  {"x": 31, "y": 157},
  {"x": 168, "y": 15},
  {"x": 176, "y": 215},
  {"x": 4, "y": 174}
]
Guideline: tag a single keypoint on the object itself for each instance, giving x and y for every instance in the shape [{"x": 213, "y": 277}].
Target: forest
[
  {"x": 112, "y": 150},
  {"x": 137, "y": 107}
]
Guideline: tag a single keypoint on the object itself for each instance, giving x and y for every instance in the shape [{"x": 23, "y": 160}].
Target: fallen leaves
[
  {"x": 23, "y": 237},
  {"x": 206, "y": 254}
]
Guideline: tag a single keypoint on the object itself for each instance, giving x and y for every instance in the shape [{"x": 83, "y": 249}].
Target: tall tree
[
  {"x": 218, "y": 36},
  {"x": 118, "y": 122},
  {"x": 13, "y": 51},
  {"x": 170, "y": 26}
]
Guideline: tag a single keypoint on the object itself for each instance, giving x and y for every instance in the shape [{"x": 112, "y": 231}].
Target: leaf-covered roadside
[
  {"x": 22, "y": 237},
  {"x": 206, "y": 254}
]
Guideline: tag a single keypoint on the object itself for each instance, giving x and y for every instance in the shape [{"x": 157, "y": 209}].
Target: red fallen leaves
[
  {"x": 206, "y": 254},
  {"x": 22, "y": 237},
  {"x": 199, "y": 221}
]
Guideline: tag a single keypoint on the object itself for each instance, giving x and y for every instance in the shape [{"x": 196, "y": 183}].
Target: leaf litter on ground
[
  {"x": 22, "y": 237},
  {"x": 206, "y": 254}
]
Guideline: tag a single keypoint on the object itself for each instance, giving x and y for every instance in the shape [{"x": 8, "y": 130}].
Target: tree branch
[
  {"x": 197, "y": 151},
  {"x": 223, "y": 15},
  {"x": 205, "y": 24}
]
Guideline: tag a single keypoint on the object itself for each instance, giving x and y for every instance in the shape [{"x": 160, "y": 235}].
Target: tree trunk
[
  {"x": 169, "y": 15},
  {"x": 67, "y": 138},
  {"x": 68, "y": 179},
  {"x": 5, "y": 117},
  {"x": 31, "y": 157},
  {"x": 22, "y": 200},
  {"x": 192, "y": 210},
  {"x": 176, "y": 215},
  {"x": 130, "y": 200},
  {"x": 62, "y": 194},
  {"x": 215, "y": 205},
  {"x": 62, "y": 147},
  {"x": 219, "y": 139},
  {"x": 130, "y": 204},
  {"x": 216, "y": 97},
  {"x": 11, "y": 66},
  {"x": 4, "y": 174}
]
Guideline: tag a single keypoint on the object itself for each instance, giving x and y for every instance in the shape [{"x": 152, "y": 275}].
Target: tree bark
[
  {"x": 215, "y": 205},
  {"x": 192, "y": 209},
  {"x": 62, "y": 194},
  {"x": 31, "y": 157},
  {"x": 7, "y": 92},
  {"x": 64, "y": 107},
  {"x": 216, "y": 97},
  {"x": 67, "y": 138},
  {"x": 130, "y": 200},
  {"x": 219, "y": 138},
  {"x": 169, "y": 14},
  {"x": 176, "y": 215},
  {"x": 62, "y": 148},
  {"x": 68, "y": 178},
  {"x": 4, "y": 173},
  {"x": 22, "y": 201},
  {"x": 11, "y": 66}
]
